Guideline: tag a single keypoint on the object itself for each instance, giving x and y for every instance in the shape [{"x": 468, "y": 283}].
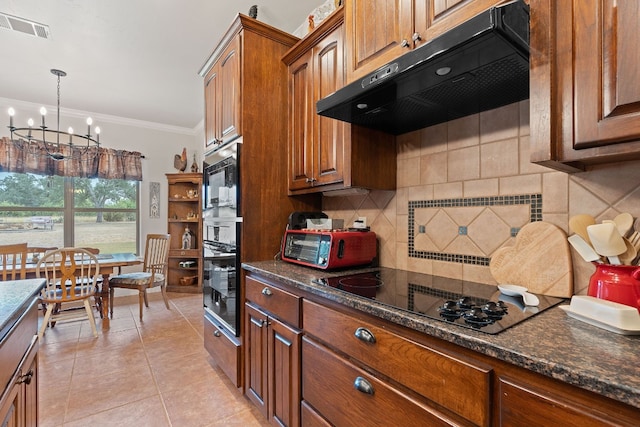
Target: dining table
[{"x": 109, "y": 264}]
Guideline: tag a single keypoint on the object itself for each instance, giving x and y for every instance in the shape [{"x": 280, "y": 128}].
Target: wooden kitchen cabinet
[
  {"x": 347, "y": 395},
  {"x": 184, "y": 211},
  {"x": 380, "y": 373},
  {"x": 259, "y": 115},
  {"x": 272, "y": 346},
  {"x": 379, "y": 31},
  {"x": 327, "y": 154},
  {"x": 419, "y": 368},
  {"x": 585, "y": 98},
  {"x": 222, "y": 97},
  {"x": 534, "y": 403},
  {"x": 19, "y": 372}
]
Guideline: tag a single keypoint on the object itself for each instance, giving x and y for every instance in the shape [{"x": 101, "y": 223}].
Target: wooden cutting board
[{"x": 540, "y": 260}]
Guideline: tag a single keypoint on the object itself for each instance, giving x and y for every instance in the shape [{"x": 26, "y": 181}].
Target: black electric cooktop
[{"x": 467, "y": 304}]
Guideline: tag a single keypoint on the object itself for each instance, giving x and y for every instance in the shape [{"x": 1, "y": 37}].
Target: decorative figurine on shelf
[
  {"x": 180, "y": 160},
  {"x": 253, "y": 11},
  {"x": 186, "y": 238},
  {"x": 194, "y": 165},
  {"x": 312, "y": 23}
]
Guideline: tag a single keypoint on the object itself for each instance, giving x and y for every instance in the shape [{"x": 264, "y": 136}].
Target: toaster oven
[{"x": 329, "y": 249}]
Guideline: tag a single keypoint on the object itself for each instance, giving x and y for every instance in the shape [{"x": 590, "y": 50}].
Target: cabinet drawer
[
  {"x": 443, "y": 378},
  {"x": 223, "y": 348},
  {"x": 522, "y": 403},
  {"x": 310, "y": 418},
  {"x": 329, "y": 385},
  {"x": 282, "y": 304}
]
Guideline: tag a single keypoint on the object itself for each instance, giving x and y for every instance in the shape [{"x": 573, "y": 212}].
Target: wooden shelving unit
[{"x": 185, "y": 210}]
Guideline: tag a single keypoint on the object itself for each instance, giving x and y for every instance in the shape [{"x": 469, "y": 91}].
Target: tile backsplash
[{"x": 466, "y": 187}]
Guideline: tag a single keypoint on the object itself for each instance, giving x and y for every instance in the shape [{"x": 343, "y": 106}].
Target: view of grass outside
[{"x": 104, "y": 212}]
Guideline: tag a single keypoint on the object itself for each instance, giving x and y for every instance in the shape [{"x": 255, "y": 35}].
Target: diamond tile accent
[{"x": 486, "y": 230}]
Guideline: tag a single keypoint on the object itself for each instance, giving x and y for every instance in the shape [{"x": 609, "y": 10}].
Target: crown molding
[{"x": 104, "y": 118}]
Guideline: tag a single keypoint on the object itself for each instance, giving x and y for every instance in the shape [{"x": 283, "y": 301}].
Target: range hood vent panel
[{"x": 489, "y": 68}]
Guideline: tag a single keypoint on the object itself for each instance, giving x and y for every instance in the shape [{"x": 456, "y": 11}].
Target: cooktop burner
[{"x": 468, "y": 304}]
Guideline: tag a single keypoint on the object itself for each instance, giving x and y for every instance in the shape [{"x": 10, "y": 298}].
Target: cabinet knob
[
  {"x": 365, "y": 335},
  {"x": 217, "y": 334},
  {"x": 267, "y": 292},
  {"x": 404, "y": 43},
  {"x": 363, "y": 386},
  {"x": 416, "y": 37},
  {"x": 26, "y": 378}
]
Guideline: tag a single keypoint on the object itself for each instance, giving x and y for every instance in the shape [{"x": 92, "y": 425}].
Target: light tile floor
[{"x": 150, "y": 373}]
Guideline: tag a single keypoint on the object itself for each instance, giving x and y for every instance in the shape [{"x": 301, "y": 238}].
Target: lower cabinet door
[
  {"x": 256, "y": 362},
  {"x": 10, "y": 407},
  {"x": 348, "y": 396},
  {"x": 284, "y": 373}
]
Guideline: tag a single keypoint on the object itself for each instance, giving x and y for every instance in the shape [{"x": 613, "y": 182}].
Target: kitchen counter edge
[
  {"x": 550, "y": 343},
  {"x": 15, "y": 297}
]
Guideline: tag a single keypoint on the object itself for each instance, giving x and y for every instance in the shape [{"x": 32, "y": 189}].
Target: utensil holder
[{"x": 618, "y": 283}]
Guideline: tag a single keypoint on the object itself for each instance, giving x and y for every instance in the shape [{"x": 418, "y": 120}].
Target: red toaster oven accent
[{"x": 329, "y": 249}]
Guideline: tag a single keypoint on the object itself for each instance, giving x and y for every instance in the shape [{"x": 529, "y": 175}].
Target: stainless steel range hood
[{"x": 480, "y": 65}]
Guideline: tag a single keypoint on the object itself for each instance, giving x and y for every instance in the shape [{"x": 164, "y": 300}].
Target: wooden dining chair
[
  {"x": 153, "y": 274},
  {"x": 14, "y": 261},
  {"x": 71, "y": 276}
]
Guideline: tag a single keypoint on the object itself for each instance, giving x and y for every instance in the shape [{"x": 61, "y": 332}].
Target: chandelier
[{"x": 54, "y": 143}]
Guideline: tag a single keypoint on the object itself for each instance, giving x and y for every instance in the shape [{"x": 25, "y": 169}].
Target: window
[{"x": 56, "y": 211}]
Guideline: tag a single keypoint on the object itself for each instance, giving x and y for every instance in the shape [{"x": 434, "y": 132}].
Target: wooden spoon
[
  {"x": 624, "y": 223},
  {"x": 630, "y": 254},
  {"x": 584, "y": 249},
  {"x": 579, "y": 223},
  {"x": 607, "y": 241}
]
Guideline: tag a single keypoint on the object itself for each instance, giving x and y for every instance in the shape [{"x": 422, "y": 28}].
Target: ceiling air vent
[{"x": 24, "y": 26}]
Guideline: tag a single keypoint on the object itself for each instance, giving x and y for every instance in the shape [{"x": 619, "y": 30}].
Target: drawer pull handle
[
  {"x": 363, "y": 386},
  {"x": 363, "y": 334},
  {"x": 26, "y": 378},
  {"x": 217, "y": 334},
  {"x": 267, "y": 292}
]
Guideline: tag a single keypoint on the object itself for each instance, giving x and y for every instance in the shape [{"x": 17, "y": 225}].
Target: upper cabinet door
[
  {"x": 211, "y": 111},
  {"x": 330, "y": 133},
  {"x": 301, "y": 113},
  {"x": 230, "y": 91},
  {"x": 377, "y": 31},
  {"x": 607, "y": 95},
  {"x": 434, "y": 17},
  {"x": 585, "y": 98}
]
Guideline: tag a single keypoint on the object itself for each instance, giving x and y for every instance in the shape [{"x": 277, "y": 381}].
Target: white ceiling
[{"x": 136, "y": 59}]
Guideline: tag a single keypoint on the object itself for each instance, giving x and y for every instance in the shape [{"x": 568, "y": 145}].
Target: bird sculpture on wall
[{"x": 180, "y": 160}]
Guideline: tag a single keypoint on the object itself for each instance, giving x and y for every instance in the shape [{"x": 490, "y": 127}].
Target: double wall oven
[{"x": 222, "y": 227}]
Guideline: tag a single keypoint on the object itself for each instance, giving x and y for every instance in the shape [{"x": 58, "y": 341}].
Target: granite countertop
[
  {"x": 550, "y": 343},
  {"x": 15, "y": 297}
]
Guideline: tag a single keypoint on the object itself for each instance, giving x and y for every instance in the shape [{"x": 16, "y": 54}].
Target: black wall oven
[{"x": 222, "y": 228}]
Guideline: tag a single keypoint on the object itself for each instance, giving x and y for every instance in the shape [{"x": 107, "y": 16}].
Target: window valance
[{"x": 31, "y": 157}]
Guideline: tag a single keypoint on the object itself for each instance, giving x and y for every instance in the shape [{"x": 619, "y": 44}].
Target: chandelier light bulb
[
  {"x": 98, "y": 135},
  {"x": 43, "y": 112},
  {"x": 12, "y": 113},
  {"x": 30, "y": 122},
  {"x": 89, "y": 121}
]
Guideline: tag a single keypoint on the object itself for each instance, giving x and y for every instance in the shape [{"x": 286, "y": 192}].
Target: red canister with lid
[{"x": 618, "y": 283}]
